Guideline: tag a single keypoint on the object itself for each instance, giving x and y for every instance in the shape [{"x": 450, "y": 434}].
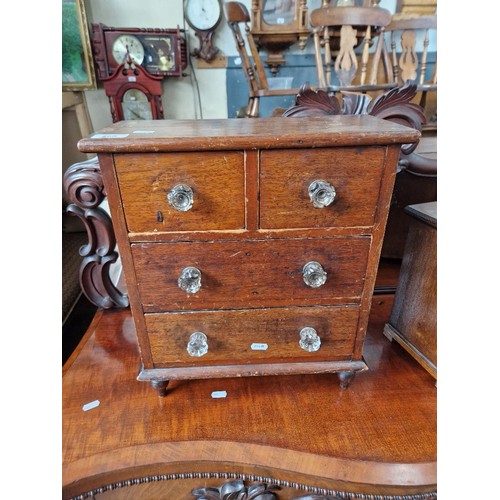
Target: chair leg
[{"x": 253, "y": 107}]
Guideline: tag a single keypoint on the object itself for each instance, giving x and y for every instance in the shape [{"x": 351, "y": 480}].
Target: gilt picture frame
[{"x": 78, "y": 71}]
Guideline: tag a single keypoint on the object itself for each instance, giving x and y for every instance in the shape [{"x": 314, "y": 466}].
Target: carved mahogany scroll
[
  {"x": 393, "y": 105},
  {"x": 83, "y": 186}
]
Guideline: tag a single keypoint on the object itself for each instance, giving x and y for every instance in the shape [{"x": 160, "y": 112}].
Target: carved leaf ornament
[{"x": 394, "y": 105}]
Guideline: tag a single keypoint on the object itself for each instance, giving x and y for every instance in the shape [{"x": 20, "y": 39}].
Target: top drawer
[
  {"x": 216, "y": 180},
  {"x": 286, "y": 175}
]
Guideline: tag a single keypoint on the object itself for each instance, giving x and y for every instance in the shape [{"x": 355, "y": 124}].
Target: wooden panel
[
  {"x": 231, "y": 334},
  {"x": 286, "y": 175},
  {"x": 217, "y": 180},
  {"x": 414, "y": 315},
  {"x": 244, "y": 274}
]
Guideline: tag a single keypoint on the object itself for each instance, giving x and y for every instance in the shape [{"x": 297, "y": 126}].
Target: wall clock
[
  {"x": 133, "y": 93},
  {"x": 161, "y": 52},
  {"x": 277, "y": 25},
  {"x": 204, "y": 16}
]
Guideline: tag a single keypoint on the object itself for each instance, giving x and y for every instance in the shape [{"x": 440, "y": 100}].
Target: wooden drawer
[
  {"x": 252, "y": 336},
  {"x": 285, "y": 176},
  {"x": 216, "y": 179},
  {"x": 245, "y": 274}
]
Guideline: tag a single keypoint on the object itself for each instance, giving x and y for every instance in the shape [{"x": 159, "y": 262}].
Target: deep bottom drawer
[{"x": 252, "y": 336}]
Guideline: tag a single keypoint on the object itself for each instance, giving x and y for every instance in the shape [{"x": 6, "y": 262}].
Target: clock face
[
  {"x": 203, "y": 15},
  {"x": 278, "y": 12},
  {"x": 135, "y": 106},
  {"x": 134, "y": 46}
]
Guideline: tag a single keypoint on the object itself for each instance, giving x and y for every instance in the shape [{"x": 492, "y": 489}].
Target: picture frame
[{"x": 78, "y": 72}]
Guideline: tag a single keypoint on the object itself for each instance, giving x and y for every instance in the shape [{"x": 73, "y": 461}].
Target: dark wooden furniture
[
  {"x": 152, "y": 44},
  {"x": 133, "y": 93},
  {"x": 249, "y": 247},
  {"x": 301, "y": 433},
  {"x": 84, "y": 188},
  {"x": 413, "y": 320}
]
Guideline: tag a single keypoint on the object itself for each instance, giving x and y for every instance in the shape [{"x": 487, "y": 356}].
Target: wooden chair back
[
  {"x": 407, "y": 41},
  {"x": 343, "y": 37},
  {"x": 237, "y": 16}
]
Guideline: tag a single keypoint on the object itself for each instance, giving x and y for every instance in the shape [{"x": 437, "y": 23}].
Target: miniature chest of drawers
[{"x": 249, "y": 247}]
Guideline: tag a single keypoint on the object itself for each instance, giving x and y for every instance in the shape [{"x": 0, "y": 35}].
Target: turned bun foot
[
  {"x": 160, "y": 386},
  {"x": 346, "y": 378}
]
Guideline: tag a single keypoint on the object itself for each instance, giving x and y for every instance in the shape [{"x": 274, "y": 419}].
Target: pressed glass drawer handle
[
  {"x": 181, "y": 197},
  {"x": 190, "y": 279},
  {"x": 197, "y": 345},
  {"x": 321, "y": 193},
  {"x": 309, "y": 339},
  {"x": 314, "y": 274}
]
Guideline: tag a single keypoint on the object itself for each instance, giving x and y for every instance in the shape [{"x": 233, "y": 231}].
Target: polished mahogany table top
[{"x": 376, "y": 437}]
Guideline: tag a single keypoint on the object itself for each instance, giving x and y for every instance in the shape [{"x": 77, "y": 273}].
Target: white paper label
[
  {"x": 219, "y": 394},
  {"x": 109, "y": 136},
  {"x": 143, "y": 132},
  {"x": 89, "y": 406},
  {"x": 259, "y": 347},
  {"x": 132, "y": 79}
]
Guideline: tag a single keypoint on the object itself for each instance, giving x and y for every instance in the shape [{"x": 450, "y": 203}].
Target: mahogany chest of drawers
[{"x": 249, "y": 247}]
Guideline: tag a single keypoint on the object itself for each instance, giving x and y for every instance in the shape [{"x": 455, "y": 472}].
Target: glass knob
[
  {"x": 321, "y": 193},
  {"x": 309, "y": 339},
  {"x": 181, "y": 198},
  {"x": 197, "y": 345},
  {"x": 314, "y": 274},
  {"x": 190, "y": 279}
]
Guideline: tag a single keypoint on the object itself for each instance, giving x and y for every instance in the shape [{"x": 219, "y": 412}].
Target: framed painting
[{"x": 77, "y": 64}]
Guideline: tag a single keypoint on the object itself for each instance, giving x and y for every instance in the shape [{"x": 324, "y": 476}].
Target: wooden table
[{"x": 302, "y": 433}]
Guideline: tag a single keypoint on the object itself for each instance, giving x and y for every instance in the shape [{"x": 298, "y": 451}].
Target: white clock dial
[
  {"x": 134, "y": 46},
  {"x": 203, "y": 14},
  {"x": 135, "y": 106}
]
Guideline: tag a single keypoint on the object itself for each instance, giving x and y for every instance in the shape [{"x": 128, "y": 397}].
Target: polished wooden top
[
  {"x": 379, "y": 435},
  {"x": 235, "y": 133}
]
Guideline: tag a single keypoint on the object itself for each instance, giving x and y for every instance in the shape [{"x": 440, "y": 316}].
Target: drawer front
[
  {"x": 252, "y": 336},
  {"x": 245, "y": 274},
  {"x": 216, "y": 180},
  {"x": 286, "y": 176}
]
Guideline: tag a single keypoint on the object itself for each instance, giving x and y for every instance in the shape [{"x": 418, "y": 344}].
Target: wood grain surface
[
  {"x": 376, "y": 437},
  {"x": 231, "y": 335},
  {"x": 232, "y": 134},
  {"x": 413, "y": 320},
  {"x": 286, "y": 175},
  {"x": 245, "y": 274},
  {"x": 217, "y": 181}
]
